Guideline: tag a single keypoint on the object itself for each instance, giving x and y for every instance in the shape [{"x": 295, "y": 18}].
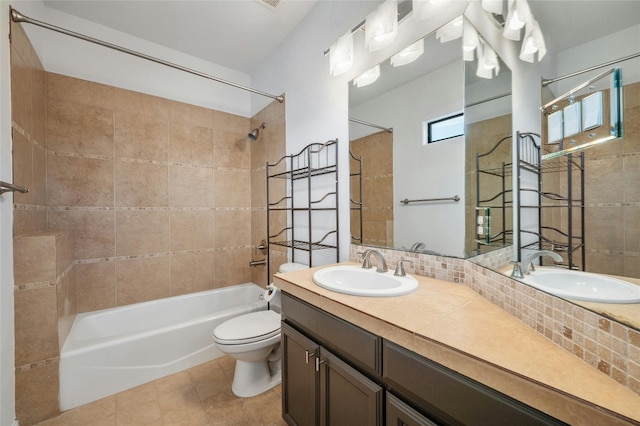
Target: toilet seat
[{"x": 248, "y": 328}]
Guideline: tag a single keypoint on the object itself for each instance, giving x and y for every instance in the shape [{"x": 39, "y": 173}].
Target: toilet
[{"x": 253, "y": 339}]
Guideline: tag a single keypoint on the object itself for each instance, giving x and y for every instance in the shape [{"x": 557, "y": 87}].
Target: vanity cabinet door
[
  {"x": 346, "y": 396},
  {"x": 400, "y": 414},
  {"x": 299, "y": 378}
]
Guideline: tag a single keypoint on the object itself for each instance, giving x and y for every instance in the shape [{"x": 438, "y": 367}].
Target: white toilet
[{"x": 253, "y": 339}]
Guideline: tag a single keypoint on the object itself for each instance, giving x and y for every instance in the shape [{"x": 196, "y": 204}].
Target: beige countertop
[{"x": 456, "y": 327}]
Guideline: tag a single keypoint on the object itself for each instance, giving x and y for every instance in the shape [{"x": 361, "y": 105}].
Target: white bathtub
[{"x": 112, "y": 350}]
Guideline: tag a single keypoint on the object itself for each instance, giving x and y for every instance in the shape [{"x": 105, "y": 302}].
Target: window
[{"x": 445, "y": 128}]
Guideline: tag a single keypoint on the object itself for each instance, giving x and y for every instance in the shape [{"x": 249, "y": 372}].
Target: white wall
[
  {"x": 317, "y": 104},
  {"x": 424, "y": 171},
  {"x": 66, "y": 55},
  {"x": 7, "y": 377}
]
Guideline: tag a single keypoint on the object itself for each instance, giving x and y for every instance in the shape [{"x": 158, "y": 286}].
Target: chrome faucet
[
  {"x": 527, "y": 264},
  {"x": 381, "y": 264}
]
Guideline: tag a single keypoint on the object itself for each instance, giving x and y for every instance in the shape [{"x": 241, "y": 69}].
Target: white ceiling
[{"x": 236, "y": 34}]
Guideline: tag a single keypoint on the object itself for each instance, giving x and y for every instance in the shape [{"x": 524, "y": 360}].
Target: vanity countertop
[{"x": 456, "y": 327}]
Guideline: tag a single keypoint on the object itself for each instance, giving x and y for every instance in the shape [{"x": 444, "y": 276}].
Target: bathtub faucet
[{"x": 527, "y": 263}]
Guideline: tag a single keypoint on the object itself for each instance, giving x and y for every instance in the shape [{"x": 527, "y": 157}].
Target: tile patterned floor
[{"x": 200, "y": 396}]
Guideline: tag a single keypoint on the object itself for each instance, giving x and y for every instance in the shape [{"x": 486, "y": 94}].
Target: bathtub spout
[
  {"x": 257, "y": 262},
  {"x": 527, "y": 264}
]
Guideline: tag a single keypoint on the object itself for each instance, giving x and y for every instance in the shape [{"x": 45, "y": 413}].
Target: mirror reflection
[{"x": 611, "y": 217}]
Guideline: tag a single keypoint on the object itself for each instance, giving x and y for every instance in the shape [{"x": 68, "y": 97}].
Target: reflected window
[{"x": 445, "y": 128}]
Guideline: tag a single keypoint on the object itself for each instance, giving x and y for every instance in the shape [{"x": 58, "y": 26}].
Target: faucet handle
[
  {"x": 366, "y": 262},
  {"x": 400, "y": 268},
  {"x": 517, "y": 270}
]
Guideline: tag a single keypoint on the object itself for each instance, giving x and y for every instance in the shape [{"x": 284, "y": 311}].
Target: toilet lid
[{"x": 248, "y": 328}]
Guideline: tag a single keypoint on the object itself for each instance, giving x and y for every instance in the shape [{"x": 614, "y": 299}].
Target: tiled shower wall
[
  {"x": 269, "y": 147},
  {"x": 612, "y": 198},
  {"x": 157, "y": 192},
  {"x": 44, "y": 278},
  {"x": 376, "y": 152}
]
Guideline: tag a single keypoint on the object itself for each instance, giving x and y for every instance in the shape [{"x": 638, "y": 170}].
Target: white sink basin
[
  {"x": 585, "y": 286},
  {"x": 356, "y": 281}
]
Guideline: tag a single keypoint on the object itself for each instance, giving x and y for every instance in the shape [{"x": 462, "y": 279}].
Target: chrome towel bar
[
  {"x": 9, "y": 187},
  {"x": 407, "y": 201}
]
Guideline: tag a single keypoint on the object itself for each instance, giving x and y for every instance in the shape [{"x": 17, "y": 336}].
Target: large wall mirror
[{"x": 414, "y": 136}]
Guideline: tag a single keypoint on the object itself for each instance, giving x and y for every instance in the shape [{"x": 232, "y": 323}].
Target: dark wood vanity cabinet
[
  {"x": 321, "y": 389},
  {"x": 335, "y": 373}
]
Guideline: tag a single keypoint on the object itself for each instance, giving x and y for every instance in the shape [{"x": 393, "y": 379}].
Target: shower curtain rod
[
  {"x": 548, "y": 81},
  {"x": 386, "y": 129},
  {"x": 19, "y": 17}
]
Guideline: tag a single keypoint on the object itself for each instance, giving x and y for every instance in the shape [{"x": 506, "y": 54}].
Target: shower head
[{"x": 253, "y": 135}]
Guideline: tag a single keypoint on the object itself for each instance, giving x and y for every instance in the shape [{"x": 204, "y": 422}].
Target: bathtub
[{"x": 115, "y": 349}]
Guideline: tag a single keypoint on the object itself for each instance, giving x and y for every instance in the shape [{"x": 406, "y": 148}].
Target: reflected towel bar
[
  {"x": 407, "y": 201},
  {"x": 9, "y": 187}
]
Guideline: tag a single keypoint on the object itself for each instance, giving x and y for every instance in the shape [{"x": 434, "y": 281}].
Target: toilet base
[{"x": 253, "y": 378}]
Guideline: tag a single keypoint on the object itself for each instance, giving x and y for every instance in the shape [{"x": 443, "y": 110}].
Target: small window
[{"x": 445, "y": 128}]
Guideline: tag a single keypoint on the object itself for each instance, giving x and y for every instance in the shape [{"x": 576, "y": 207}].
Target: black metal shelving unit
[
  {"x": 299, "y": 203},
  {"x": 356, "y": 204},
  {"x": 571, "y": 200},
  {"x": 500, "y": 200}
]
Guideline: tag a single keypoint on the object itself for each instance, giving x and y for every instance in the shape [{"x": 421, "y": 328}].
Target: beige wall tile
[
  {"x": 78, "y": 128},
  {"x": 64, "y": 251},
  {"x": 38, "y": 188},
  {"x": 191, "y": 186},
  {"x": 77, "y": 91},
  {"x": 141, "y": 137},
  {"x": 631, "y": 166},
  {"x": 192, "y": 229},
  {"x": 231, "y": 149},
  {"x": 67, "y": 307},
  {"x": 604, "y": 228},
  {"x": 28, "y": 221},
  {"x": 39, "y": 106},
  {"x": 232, "y": 188},
  {"x": 233, "y": 228},
  {"x": 34, "y": 259},
  {"x": 93, "y": 231},
  {"x": 604, "y": 180},
  {"x": 232, "y": 122},
  {"x": 141, "y": 184},
  {"x": 74, "y": 181},
  {"x": 258, "y": 188},
  {"x": 139, "y": 280},
  {"x": 232, "y": 267},
  {"x": 21, "y": 106},
  {"x": 36, "y": 325},
  {"x": 180, "y": 112},
  {"x": 192, "y": 272},
  {"x": 96, "y": 286},
  {"x": 140, "y": 103},
  {"x": 190, "y": 144},
  {"x": 22, "y": 167},
  {"x": 142, "y": 232},
  {"x": 37, "y": 394}
]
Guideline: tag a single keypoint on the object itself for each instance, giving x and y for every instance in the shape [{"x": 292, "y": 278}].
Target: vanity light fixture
[
  {"x": 517, "y": 16},
  {"x": 470, "y": 41},
  {"x": 533, "y": 43},
  {"x": 367, "y": 77},
  {"x": 381, "y": 26},
  {"x": 488, "y": 64},
  {"x": 451, "y": 31},
  {"x": 492, "y": 6},
  {"x": 408, "y": 54},
  {"x": 341, "y": 55}
]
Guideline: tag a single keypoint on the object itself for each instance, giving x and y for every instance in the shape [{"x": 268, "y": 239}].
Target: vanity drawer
[
  {"x": 350, "y": 342},
  {"x": 449, "y": 397}
]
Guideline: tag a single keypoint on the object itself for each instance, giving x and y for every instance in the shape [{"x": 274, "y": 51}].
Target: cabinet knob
[{"x": 318, "y": 362}]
